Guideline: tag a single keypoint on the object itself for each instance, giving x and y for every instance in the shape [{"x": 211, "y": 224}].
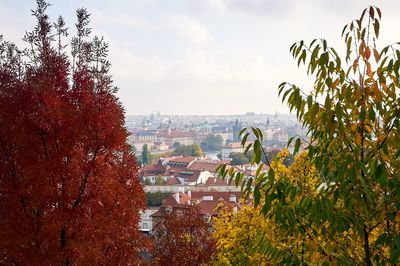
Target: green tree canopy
[
  {"x": 188, "y": 150},
  {"x": 238, "y": 158},
  {"x": 146, "y": 156},
  {"x": 212, "y": 142},
  {"x": 156, "y": 198},
  {"x": 352, "y": 113}
]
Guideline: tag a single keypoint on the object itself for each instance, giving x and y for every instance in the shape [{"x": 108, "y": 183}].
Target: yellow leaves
[
  {"x": 186, "y": 238},
  {"x": 368, "y": 128},
  {"x": 283, "y": 154},
  {"x": 381, "y": 137},
  {"x": 377, "y": 94},
  {"x": 335, "y": 83},
  {"x": 369, "y": 71},
  {"x": 357, "y": 139},
  {"x": 237, "y": 235},
  {"x": 355, "y": 64}
]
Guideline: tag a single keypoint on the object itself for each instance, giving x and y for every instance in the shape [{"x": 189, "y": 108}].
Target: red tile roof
[
  {"x": 161, "y": 212},
  {"x": 182, "y": 159},
  {"x": 205, "y": 166},
  {"x": 153, "y": 167},
  {"x": 206, "y": 207},
  {"x": 174, "y": 134},
  {"x": 213, "y": 207},
  {"x": 173, "y": 181},
  {"x": 173, "y": 170},
  {"x": 233, "y": 145},
  {"x": 183, "y": 198},
  {"x": 214, "y": 181},
  {"x": 189, "y": 175},
  {"x": 216, "y": 194}
]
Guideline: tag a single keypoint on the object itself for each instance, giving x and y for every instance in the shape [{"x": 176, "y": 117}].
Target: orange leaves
[
  {"x": 367, "y": 52},
  {"x": 369, "y": 71},
  {"x": 361, "y": 49},
  {"x": 70, "y": 181},
  {"x": 355, "y": 64},
  {"x": 376, "y": 55}
]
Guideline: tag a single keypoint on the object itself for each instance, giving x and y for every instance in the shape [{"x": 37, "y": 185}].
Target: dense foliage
[
  {"x": 182, "y": 238},
  {"x": 146, "y": 155},
  {"x": 69, "y": 190},
  {"x": 212, "y": 142},
  {"x": 249, "y": 238},
  {"x": 238, "y": 158},
  {"x": 237, "y": 237},
  {"x": 188, "y": 150},
  {"x": 352, "y": 114},
  {"x": 156, "y": 198}
]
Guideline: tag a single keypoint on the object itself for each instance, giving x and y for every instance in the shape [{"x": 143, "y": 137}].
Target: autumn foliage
[
  {"x": 182, "y": 237},
  {"x": 69, "y": 191},
  {"x": 349, "y": 212}
]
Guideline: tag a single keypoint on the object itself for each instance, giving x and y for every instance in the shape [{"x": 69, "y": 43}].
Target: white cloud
[
  {"x": 189, "y": 29},
  {"x": 196, "y": 83},
  {"x": 208, "y": 56},
  {"x": 122, "y": 19}
]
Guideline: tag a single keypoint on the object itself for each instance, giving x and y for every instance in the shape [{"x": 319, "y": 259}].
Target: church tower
[
  {"x": 169, "y": 126},
  {"x": 236, "y": 130}
]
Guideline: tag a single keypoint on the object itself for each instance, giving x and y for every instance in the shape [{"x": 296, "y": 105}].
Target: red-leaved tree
[
  {"x": 182, "y": 237},
  {"x": 69, "y": 190}
]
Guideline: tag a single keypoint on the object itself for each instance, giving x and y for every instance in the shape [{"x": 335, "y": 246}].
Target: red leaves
[
  {"x": 182, "y": 238},
  {"x": 69, "y": 190}
]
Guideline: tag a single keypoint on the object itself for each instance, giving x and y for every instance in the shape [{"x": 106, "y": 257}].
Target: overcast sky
[{"x": 205, "y": 56}]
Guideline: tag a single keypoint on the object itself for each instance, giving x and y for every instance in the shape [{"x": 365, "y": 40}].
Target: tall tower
[
  {"x": 169, "y": 126},
  {"x": 236, "y": 130}
]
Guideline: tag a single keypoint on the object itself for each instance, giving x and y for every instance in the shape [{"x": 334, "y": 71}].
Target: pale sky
[{"x": 205, "y": 56}]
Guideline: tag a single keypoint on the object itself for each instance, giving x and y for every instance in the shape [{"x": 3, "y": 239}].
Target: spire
[{"x": 169, "y": 125}]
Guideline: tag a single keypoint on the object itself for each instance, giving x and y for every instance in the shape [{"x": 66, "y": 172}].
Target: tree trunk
[
  {"x": 366, "y": 247},
  {"x": 63, "y": 242}
]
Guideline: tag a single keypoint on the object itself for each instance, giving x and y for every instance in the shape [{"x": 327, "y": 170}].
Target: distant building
[
  {"x": 231, "y": 147},
  {"x": 190, "y": 173},
  {"x": 209, "y": 203},
  {"x": 179, "y": 161},
  {"x": 281, "y": 136},
  {"x": 269, "y": 134},
  {"x": 170, "y": 136},
  {"x": 146, "y": 221},
  {"x": 141, "y": 138},
  {"x": 236, "y": 130}
]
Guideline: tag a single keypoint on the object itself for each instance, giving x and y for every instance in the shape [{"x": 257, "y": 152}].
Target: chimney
[
  {"x": 177, "y": 197},
  {"x": 235, "y": 210},
  {"x": 208, "y": 198},
  {"x": 232, "y": 198}
]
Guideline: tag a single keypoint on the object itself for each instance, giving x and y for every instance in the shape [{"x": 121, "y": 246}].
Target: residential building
[
  {"x": 146, "y": 221},
  {"x": 231, "y": 147},
  {"x": 209, "y": 203}
]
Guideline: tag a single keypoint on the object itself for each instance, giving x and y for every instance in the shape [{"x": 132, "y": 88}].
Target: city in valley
[
  {"x": 179, "y": 156},
  {"x": 203, "y": 132}
]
